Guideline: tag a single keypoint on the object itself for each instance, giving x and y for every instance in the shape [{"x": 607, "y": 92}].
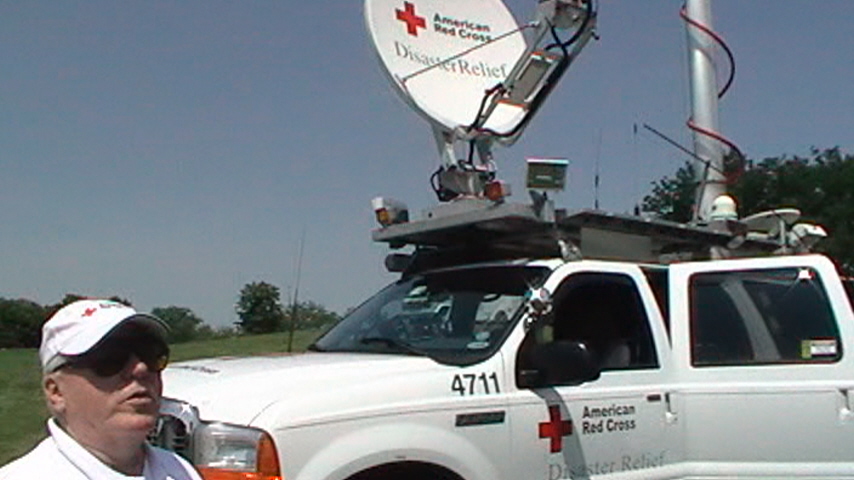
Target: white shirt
[{"x": 60, "y": 457}]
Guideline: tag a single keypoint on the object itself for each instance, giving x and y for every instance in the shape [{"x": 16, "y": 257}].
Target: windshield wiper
[{"x": 390, "y": 342}]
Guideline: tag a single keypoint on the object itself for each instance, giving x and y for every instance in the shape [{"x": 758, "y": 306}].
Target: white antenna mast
[
  {"x": 596, "y": 175},
  {"x": 704, "y": 107}
]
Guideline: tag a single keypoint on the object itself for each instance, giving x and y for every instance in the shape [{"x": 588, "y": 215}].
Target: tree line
[{"x": 259, "y": 310}]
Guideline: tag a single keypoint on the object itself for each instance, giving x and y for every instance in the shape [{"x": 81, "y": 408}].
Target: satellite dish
[
  {"x": 442, "y": 55},
  {"x": 771, "y": 222},
  {"x": 466, "y": 67},
  {"x": 774, "y": 225}
]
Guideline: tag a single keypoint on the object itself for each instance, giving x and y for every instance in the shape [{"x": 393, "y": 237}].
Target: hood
[{"x": 237, "y": 389}]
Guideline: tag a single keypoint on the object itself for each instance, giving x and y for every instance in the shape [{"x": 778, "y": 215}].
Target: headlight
[{"x": 228, "y": 452}]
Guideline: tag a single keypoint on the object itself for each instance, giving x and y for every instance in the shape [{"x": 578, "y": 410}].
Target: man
[{"x": 101, "y": 364}]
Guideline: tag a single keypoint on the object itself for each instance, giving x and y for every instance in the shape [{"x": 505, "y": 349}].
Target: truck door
[
  {"x": 766, "y": 383},
  {"x": 617, "y": 423}
]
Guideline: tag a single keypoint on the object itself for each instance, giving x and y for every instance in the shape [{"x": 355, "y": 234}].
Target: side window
[
  {"x": 606, "y": 313},
  {"x": 756, "y": 317}
]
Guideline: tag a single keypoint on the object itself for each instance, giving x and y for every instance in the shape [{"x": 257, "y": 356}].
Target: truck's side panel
[{"x": 764, "y": 376}]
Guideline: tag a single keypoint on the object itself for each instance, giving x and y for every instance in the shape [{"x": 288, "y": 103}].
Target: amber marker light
[
  {"x": 496, "y": 190},
  {"x": 389, "y": 212},
  {"x": 383, "y": 217}
]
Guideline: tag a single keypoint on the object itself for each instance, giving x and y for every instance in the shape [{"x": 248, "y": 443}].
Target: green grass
[{"x": 22, "y": 408}]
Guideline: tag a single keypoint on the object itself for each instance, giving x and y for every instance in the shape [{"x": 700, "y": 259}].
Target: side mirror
[
  {"x": 558, "y": 363},
  {"x": 397, "y": 262}
]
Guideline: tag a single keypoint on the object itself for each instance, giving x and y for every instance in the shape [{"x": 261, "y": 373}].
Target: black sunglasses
[{"x": 111, "y": 357}]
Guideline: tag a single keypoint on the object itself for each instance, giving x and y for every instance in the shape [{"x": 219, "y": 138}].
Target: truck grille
[
  {"x": 171, "y": 433},
  {"x": 174, "y": 428}
]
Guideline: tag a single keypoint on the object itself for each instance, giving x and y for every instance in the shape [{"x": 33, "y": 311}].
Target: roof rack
[{"x": 512, "y": 230}]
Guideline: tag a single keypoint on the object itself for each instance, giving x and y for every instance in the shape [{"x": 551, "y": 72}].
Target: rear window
[{"x": 757, "y": 317}]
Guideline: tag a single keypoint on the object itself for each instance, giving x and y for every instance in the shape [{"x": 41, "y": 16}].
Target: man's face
[{"x": 112, "y": 393}]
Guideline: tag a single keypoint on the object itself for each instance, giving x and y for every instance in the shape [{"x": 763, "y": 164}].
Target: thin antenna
[
  {"x": 709, "y": 165},
  {"x": 683, "y": 149},
  {"x": 596, "y": 177},
  {"x": 635, "y": 189},
  {"x": 295, "y": 304}
]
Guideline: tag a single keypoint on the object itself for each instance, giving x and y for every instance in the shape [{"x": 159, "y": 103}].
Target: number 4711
[{"x": 470, "y": 383}]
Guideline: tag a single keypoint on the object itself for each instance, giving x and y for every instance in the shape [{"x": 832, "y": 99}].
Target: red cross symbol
[
  {"x": 89, "y": 312},
  {"x": 412, "y": 20},
  {"x": 555, "y": 429}
]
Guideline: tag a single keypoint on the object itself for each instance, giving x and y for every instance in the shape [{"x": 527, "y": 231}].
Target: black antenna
[
  {"x": 693, "y": 155},
  {"x": 708, "y": 166},
  {"x": 635, "y": 189},
  {"x": 295, "y": 304},
  {"x": 596, "y": 177}
]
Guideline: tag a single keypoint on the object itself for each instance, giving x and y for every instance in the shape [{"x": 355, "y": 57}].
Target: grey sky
[{"x": 171, "y": 152}]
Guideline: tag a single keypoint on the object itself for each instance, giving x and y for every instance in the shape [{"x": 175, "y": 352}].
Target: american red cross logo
[
  {"x": 555, "y": 429},
  {"x": 89, "y": 312},
  {"x": 409, "y": 17}
]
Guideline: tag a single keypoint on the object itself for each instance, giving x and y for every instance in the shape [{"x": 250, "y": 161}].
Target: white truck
[
  {"x": 526, "y": 343},
  {"x": 489, "y": 362}
]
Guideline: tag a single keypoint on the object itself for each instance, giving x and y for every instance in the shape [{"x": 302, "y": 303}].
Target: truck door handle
[
  {"x": 669, "y": 413},
  {"x": 845, "y": 404}
]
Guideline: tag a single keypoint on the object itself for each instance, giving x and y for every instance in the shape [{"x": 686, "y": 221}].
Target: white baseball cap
[{"x": 78, "y": 327}]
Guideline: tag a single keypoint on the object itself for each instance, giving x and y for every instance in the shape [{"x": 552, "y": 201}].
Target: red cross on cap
[
  {"x": 555, "y": 429},
  {"x": 409, "y": 17}
]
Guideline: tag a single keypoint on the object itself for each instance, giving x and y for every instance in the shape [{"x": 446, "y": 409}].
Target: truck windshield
[{"x": 457, "y": 317}]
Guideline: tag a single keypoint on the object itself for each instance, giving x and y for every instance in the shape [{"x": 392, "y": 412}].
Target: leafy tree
[
  {"x": 673, "y": 198},
  {"x": 183, "y": 324},
  {"x": 821, "y": 186},
  {"x": 259, "y": 308},
  {"x": 310, "y": 315},
  {"x": 20, "y": 323}
]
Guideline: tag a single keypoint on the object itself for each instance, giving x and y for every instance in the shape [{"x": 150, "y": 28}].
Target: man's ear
[{"x": 53, "y": 394}]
